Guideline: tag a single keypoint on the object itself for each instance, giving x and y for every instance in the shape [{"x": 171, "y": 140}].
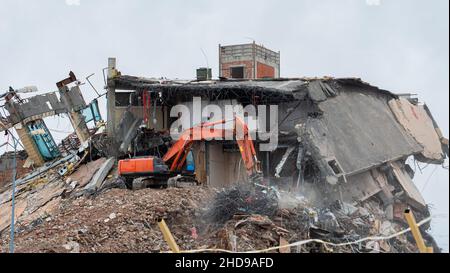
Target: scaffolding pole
[{"x": 13, "y": 195}]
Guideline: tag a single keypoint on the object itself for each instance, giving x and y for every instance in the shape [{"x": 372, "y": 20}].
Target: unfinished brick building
[{"x": 248, "y": 61}]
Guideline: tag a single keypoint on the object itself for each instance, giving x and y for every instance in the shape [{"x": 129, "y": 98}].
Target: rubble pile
[
  {"x": 340, "y": 223},
  {"x": 120, "y": 220},
  {"x": 241, "y": 199}
]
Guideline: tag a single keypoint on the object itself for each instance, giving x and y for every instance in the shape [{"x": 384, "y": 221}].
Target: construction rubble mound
[{"x": 120, "y": 220}]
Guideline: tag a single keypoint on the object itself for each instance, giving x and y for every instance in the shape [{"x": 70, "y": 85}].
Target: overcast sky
[{"x": 398, "y": 45}]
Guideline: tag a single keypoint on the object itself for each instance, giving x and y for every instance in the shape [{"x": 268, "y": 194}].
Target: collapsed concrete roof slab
[
  {"x": 359, "y": 188},
  {"x": 358, "y": 130},
  {"x": 5, "y": 213},
  {"x": 415, "y": 120}
]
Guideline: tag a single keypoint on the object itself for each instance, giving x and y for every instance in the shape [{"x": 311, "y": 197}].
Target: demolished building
[
  {"x": 348, "y": 138},
  {"x": 341, "y": 142},
  {"x": 26, "y": 117}
]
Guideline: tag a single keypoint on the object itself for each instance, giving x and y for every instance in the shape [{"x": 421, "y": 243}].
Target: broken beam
[
  {"x": 100, "y": 175},
  {"x": 67, "y": 81}
]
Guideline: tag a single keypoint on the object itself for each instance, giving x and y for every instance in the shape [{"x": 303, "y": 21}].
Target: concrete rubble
[
  {"x": 338, "y": 174},
  {"x": 125, "y": 221}
]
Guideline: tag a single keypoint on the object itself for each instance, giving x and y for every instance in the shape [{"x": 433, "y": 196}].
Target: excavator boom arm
[{"x": 205, "y": 131}]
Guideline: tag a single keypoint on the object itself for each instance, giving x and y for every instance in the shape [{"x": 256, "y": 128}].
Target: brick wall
[
  {"x": 265, "y": 71},
  {"x": 248, "y": 72}
]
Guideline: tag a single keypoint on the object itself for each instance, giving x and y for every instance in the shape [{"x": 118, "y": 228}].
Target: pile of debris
[
  {"x": 244, "y": 199},
  {"x": 301, "y": 220},
  {"x": 120, "y": 220}
]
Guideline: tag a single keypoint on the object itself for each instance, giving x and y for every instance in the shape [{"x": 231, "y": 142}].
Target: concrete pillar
[
  {"x": 79, "y": 125},
  {"x": 254, "y": 60},
  {"x": 75, "y": 116},
  {"x": 111, "y": 97},
  {"x": 29, "y": 145},
  {"x": 220, "y": 61}
]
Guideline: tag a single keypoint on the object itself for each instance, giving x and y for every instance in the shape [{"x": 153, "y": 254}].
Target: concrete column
[
  {"x": 111, "y": 97},
  {"x": 29, "y": 145},
  {"x": 254, "y": 61},
  {"x": 79, "y": 125},
  {"x": 75, "y": 116},
  {"x": 220, "y": 61},
  {"x": 279, "y": 65}
]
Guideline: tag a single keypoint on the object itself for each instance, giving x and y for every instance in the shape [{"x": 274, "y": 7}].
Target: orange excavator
[{"x": 169, "y": 169}]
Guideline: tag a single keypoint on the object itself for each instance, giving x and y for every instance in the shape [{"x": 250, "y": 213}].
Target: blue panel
[
  {"x": 87, "y": 113},
  {"x": 95, "y": 110},
  {"x": 190, "y": 164},
  {"x": 91, "y": 112},
  {"x": 45, "y": 152},
  {"x": 45, "y": 142}
]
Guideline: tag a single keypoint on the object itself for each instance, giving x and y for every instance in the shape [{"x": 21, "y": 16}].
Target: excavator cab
[{"x": 149, "y": 166}]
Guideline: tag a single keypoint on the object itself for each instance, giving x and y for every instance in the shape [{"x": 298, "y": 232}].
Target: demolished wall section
[
  {"x": 359, "y": 125},
  {"x": 416, "y": 121}
]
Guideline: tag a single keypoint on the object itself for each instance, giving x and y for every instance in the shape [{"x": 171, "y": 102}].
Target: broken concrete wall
[
  {"x": 216, "y": 171},
  {"x": 224, "y": 168},
  {"x": 358, "y": 188},
  {"x": 40, "y": 106},
  {"x": 412, "y": 193},
  {"x": 356, "y": 125},
  {"x": 417, "y": 122},
  {"x": 126, "y": 131},
  {"x": 73, "y": 99},
  {"x": 282, "y": 161},
  {"x": 353, "y": 139},
  {"x": 293, "y": 113},
  {"x": 34, "y": 107},
  {"x": 391, "y": 185}
]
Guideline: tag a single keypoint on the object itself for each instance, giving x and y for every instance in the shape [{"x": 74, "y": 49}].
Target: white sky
[{"x": 398, "y": 45}]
